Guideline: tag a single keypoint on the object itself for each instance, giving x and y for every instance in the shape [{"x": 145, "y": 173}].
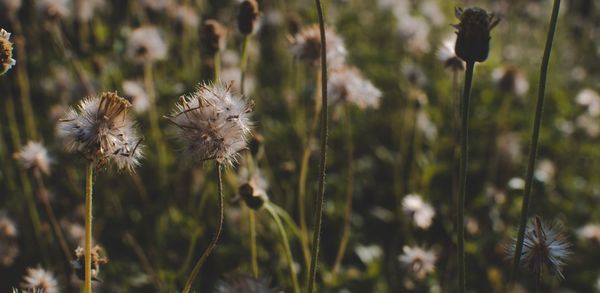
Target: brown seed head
[
  {"x": 248, "y": 17},
  {"x": 213, "y": 36}
]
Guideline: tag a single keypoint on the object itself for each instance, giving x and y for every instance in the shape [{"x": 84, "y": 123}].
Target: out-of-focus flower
[
  {"x": 508, "y": 145},
  {"x": 156, "y": 5},
  {"x": 418, "y": 261},
  {"x": 510, "y": 79},
  {"x": 213, "y": 123},
  {"x": 545, "y": 247},
  {"x": 545, "y": 170},
  {"x": 185, "y": 16},
  {"x": 101, "y": 129},
  {"x": 9, "y": 249},
  {"x": 98, "y": 258},
  {"x": 74, "y": 233},
  {"x": 368, "y": 253},
  {"x": 421, "y": 212},
  {"x": 248, "y": 17},
  {"x": 252, "y": 187},
  {"x": 6, "y": 49},
  {"x": 242, "y": 283},
  {"x": 230, "y": 72},
  {"x": 448, "y": 57},
  {"x": 54, "y": 9},
  {"x": 516, "y": 183},
  {"x": 473, "y": 35},
  {"x": 414, "y": 74},
  {"x": 590, "y": 232},
  {"x": 34, "y": 155},
  {"x": 145, "y": 45},
  {"x": 213, "y": 37},
  {"x": 414, "y": 30},
  {"x": 348, "y": 85},
  {"x": 589, "y": 124},
  {"x": 306, "y": 46},
  {"x": 39, "y": 280},
  {"x": 137, "y": 94},
  {"x": 86, "y": 9},
  {"x": 10, "y": 7},
  {"x": 589, "y": 99},
  {"x": 431, "y": 10},
  {"x": 426, "y": 126}
]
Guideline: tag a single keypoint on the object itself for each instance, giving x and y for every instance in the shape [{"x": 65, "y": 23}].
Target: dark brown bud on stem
[
  {"x": 248, "y": 17},
  {"x": 473, "y": 35},
  {"x": 213, "y": 36}
]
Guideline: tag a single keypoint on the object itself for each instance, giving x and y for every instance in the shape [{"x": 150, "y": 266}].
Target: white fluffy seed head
[
  {"x": 421, "y": 212},
  {"x": 145, "y": 45},
  {"x": 139, "y": 97},
  {"x": 306, "y": 46},
  {"x": 39, "y": 280},
  {"x": 418, "y": 261},
  {"x": 34, "y": 155},
  {"x": 213, "y": 123},
  {"x": 101, "y": 130},
  {"x": 348, "y": 85}
]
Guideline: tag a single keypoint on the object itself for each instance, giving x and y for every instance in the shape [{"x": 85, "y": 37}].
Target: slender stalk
[
  {"x": 323, "y": 156},
  {"x": 244, "y": 62},
  {"x": 538, "y": 281},
  {"x": 88, "y": 227},
  {"x": 154, "y": 124},
  {"x": 349, "y": 191},
  {"x": 213, "y": 242},
  {"x": 537, "y": 121},
  {"x": 217, "y": 67},
  {"x": 286, "y": 246},
  {"x": 253, "y": 254},
  {"x": 464, "y": 160}
]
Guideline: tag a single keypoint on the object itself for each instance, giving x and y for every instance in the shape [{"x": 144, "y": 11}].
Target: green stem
[
  {"x": 213, "y": 242},
  {"x": 217, "y": 67},
  {"x": 23, "y": 82},
  {"x": 537, "y": 121},
  {"x": 323, "y": 156},
  {"x": 464, "y": 160},
  {"x": 88, "y": 227},
  {"x": 244, "y": 62},
  {"x": 286, "y": 246},
  {"x": 154, "y": 123},
  {"x": 253, "y": 254}
]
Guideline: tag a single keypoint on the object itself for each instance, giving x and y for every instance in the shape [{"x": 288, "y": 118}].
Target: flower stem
[
  {"x": 286, "y": 246},
  {"x": 217, "y": 67},
  {"x": 464, "y": 160},
  {"x": 253, "y": 254},
  {"x": 537, "y": 120},
  {"x": 213, "y": 242},
  {"x": 88, "y": 227},
  {"x": 154, "y": 124},
  {"x": 323, "y": 156},
  {"x": 244, "y": 62}
]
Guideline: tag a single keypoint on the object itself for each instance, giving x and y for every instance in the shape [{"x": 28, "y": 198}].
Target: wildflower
[
  {"x": 306, "y": 46},
  {"x": 101, "y": 130},
  {"x": 213, "y": 37},
  {"x": 213, "y": 123},
  {"x": 248, "y": 16},
  {"x": 54, "y": 9},
  {"x": 421, "y": 212},
  {"x": 447, "y": 55},
  {"x": 348, "y": 85},
  {"x": 590, "y": 232},
  {"x": 510, "y": 79},
  {"x": 98, "y": 258},
  {"x": 418, "y": 261},
  {"x": 39, "y": 280},
  {"x": 6, "y": 48},
  {"x": 473, "y": 35},
  {"x": 10, "y": 7},
  {"x": 138, "y": 96},
  {"x": 34, "y": 155},
  {"x": 242, "y": 283},
  {"x": 253, "y": 187},
  {"x": 545, "y": 246},
  {"x": 145, "y": 45},
  {"x": 9, "y": 249},
  {"x": 589, "y": 99}
]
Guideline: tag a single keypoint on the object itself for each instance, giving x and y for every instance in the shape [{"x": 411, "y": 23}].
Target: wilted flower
[
  {"x": 145, "y": 45},
  {"x": 39, "y": 280},
  {"x": 473, "y": 35},
  {"x": 213, "y": 123},
  {"x": 213, "y": 36},
  {"x": 54, "y": 9},
  {"x": 98, "y": 258},
  {"x": 590, "y": 232},
  {"x": 9, "y": 248},
  {"x": 10, "y": 7},
  {"x": 34, "y": 155},
  {"x": 545, "y": 246},
  {"x": 510, "y": 79},
  {"x": 306, "y": 46},
  {"x": 252, "y": 187},
  {"x": 137, "y": 94},
  {"x": 589, "y": 99},
  {"x": 242, "y": 283},
  {"x": 418, "y": 261},
  {"x": 248, "y": 16},
  {"x": 101, "y": 129},
  {"x": 6, "y": 48},
  {"x": 421, "y": 212},
  {"x": 348, "y": 85},
  {"x": 448, "y": 57}
]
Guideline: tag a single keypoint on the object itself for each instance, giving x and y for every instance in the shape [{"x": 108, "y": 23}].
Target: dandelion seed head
[
  {"x": 101, "y": 130},
  {"x": 145, "y": 45},
  {"x": 348, "y": 85},
  {"x": 213, "y": 123},
  {"x": 138, "y": 96},
  {"x": 34, "y": 155},
  {"x": 38, "y": 279},
  {"x": 54, "y": 9},
  {"x": 9, "y": 249},
  {"x": 6, "y": 49},
  {"x": 418, "y": 261},
  {"x": 421, "y": 212},
  {"x": 306, "y": 46}
]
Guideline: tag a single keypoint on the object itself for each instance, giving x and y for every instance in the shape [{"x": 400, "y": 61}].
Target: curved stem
[
  {"x": 88, "y": 227},
  {"x": 464, "y": 160},
  {"x": 537, "y": 121},
  {"x": 213, "y": 242},
  {"x": 253, "y": 254},
  {"x": 286, "y": 246},
  {"x": 323, "y": 156}
]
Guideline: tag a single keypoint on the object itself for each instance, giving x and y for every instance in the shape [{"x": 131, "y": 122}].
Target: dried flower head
[
  {"x": 134, "y": 91},
  {"x": 145, "y": 45},
  {"x": 10, "y": 7},
  {"x": 306, "y": 46},
  {"x": 54, "y": 9},
  {"x": 510, "y": 79},
  {"x": 39, "y": 280},
  {"x": 447, "y": 55},
  {"x": 248, "y": 16},
  {"x": 213, "y": 123},
  {"x": 418, "y": 261},
  {"x": 34, "y": 156},
  {"x": 421, "y": 212},
  {"x": 6, "y": 48},
  {"x": 243, "y": 283},
  {"x": 545, "y": 246},
  {"x": 184, "y": 16},
  {"x": 101, "y": 129},
  {"x": 98, "y": 258},
  {"x": 213, "y": 36},
  {"x": 253, "y": 187},
  {"x": 9, "y": 248},
  {"x": 348, "y": 85},
  {"x": 473, "y": 35}
]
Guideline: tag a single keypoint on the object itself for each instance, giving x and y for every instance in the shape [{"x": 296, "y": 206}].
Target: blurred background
[{"x": 394, "y": 155}]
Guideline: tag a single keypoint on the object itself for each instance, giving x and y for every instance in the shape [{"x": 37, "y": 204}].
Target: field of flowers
[{"x": 206, "y": 146}]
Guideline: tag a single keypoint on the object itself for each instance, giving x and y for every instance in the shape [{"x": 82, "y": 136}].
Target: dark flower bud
[
  {"x": 213, "y": 36},
  {"x": 254, "y": 200},
  {"x": 473, "y": 35},
  {"x": 248, "y": 16}
]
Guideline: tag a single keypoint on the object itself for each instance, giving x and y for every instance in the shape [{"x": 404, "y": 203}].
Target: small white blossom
[
  {"x": 34, "y": 155},
  {"x": 39, "y": 280},
  {"x": 418, "y": 261},
  {"x": 348, "y": 85},
  {"x": 306, "y": 46},
  {"x": 590, "y": 99},
  {"x": 590, "y": 232},
  {"x": 145, "y": 45},
  {"x": 421, "y": 212}
]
